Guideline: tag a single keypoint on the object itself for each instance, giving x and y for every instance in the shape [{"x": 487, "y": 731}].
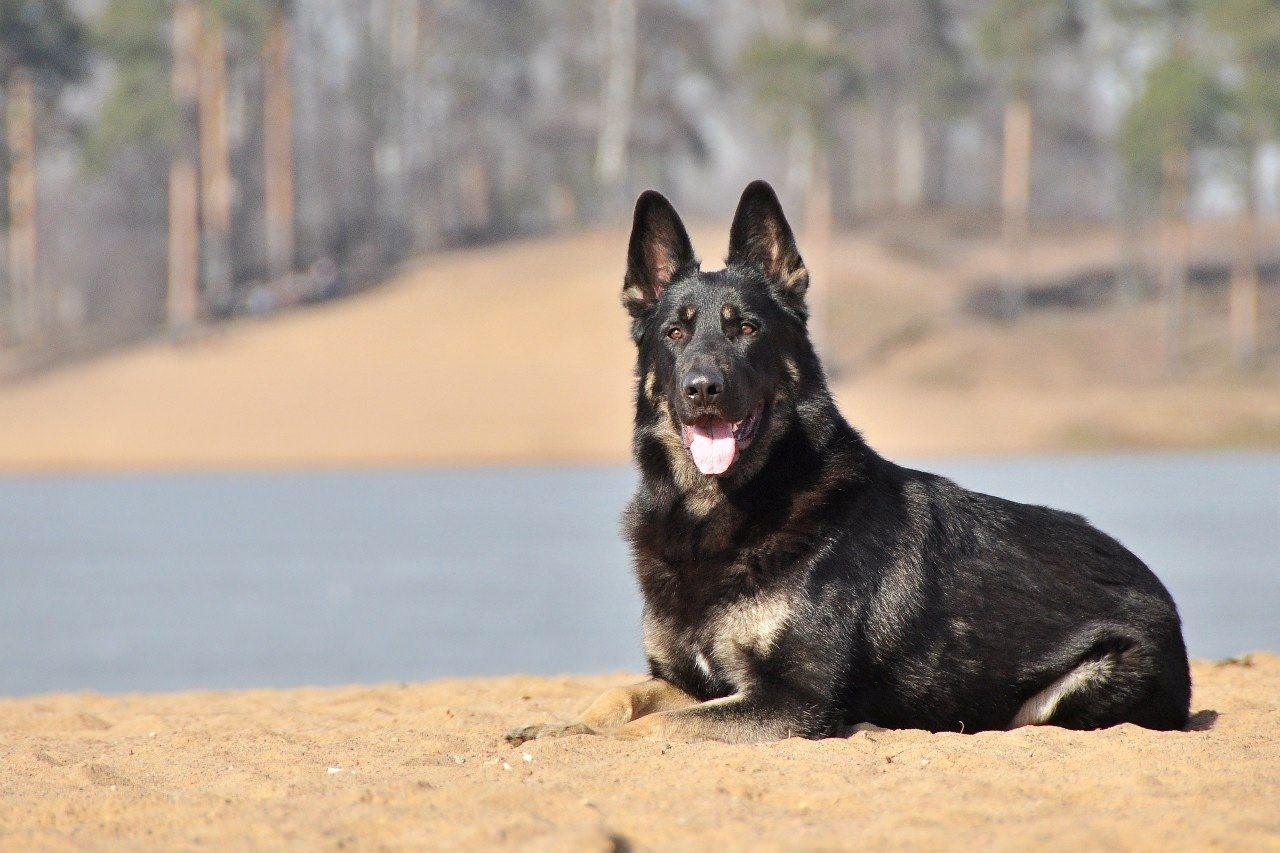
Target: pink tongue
[{"x": 712, "y": 446}]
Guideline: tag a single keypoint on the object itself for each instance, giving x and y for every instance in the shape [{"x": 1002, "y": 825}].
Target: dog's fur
[{"x": 814, "y": 586}]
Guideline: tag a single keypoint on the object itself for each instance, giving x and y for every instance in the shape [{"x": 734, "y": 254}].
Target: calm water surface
[{"x": 153, "y": 582}]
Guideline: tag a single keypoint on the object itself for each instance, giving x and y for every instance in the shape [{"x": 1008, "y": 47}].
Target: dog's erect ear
[
  {"x": 761, "y": 237},
  {"x": 659, "y": 251}
]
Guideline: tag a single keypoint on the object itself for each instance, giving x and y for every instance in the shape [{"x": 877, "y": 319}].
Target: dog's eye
[
  {"x": 748, "y": 329},
  {"x": 675, "y": 333}
]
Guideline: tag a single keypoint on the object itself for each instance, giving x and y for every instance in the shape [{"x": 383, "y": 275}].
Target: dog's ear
[
  {"x": 761, "y": 237},
  {"x": 659, "y": 251}
]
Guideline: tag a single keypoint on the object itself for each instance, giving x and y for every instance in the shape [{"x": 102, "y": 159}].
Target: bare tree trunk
[
  {"x": 215, "y": 169},
  {"x": 619, "y": 88},
  {"x": 1175, "y": 169},
  {"x": 425, "y": 143},
  {"x": 472, "y": 208},
  {"x": 1173, "y": 273},
  {"x": 1133, "y": 262},
  {"x": 8, "y": 334},
  {"x": 867, "y": 162},
  {"x": 25, "y": 298},
  {"x": 1015, "y": 196},
  {"x": 888, "y": 156},
  {"x": 278, "y": 146},
  {"x": 184, "y": 190},
  {"x": 395, "y": 159},
  {"x": 937, "y": 147},
  {"x": 1244, "y": 272},
  {"x": 397, "y": 132},
  {"x": 818, "y": 218},
  {"x": 910, "y": 145}
]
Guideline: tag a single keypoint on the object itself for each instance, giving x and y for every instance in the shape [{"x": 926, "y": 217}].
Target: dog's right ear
[{"x": 659, "y": 251}]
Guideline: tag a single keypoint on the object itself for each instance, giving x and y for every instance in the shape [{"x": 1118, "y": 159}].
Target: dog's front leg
[
  {"x": 735, "y": 719},
  {"x": 612, "y": 709}
]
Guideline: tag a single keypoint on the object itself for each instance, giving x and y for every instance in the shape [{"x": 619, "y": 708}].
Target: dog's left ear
[{"x": 761, "y": 237}]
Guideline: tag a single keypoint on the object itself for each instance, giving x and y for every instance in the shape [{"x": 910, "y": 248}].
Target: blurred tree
[
  {"x": 1253, "y": 30},
  {"x": 184, "y": 186},
  {"x": 403, "y": 47},
  {"x": 277, "y": 131},
  {"x": 246, "y": 19},
  {"x": 43, "y": 45},
  {"x": 215, "y": 166},
  {"x": 1016, "y": 37},
  {"x": 618, "y": 94},
  {"x": 139, "y": 108},
  {"x": 1179, "y": 109},
  {"x": 915, "y": 81},
  {"x": 803, "y": 75},
  {"x": 187, "y": 119},
  {"x": 872, "y": 37},
  {"x": 669, "y": 129},
  {"x": 947, "y": 88},
  {"x": 155, "y": 46}
]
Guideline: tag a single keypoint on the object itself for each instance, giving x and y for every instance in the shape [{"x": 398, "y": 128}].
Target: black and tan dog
[{"x": 796, "y": 583}]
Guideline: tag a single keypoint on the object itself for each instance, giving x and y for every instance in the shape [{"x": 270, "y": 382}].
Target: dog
[{"x": 796, "y": 583}]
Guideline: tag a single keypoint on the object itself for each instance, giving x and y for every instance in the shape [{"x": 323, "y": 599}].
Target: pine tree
[
  {"x": 249, "y": 22},
  {"x": 803, "y": 75},
  {"x": 43, "y": 45},
  {"x": 278, "y": 140},
  {"x": 1016, "y": 36},
  {"x": 1253, "y": 28},
  {"x": 1179, "y": 109}
]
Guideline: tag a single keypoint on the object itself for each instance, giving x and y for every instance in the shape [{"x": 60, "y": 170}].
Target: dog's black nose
[{"x": 703, "y": 386}]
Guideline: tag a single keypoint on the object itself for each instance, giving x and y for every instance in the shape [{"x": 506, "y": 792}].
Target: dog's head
[{"x": 723, "y": 355}]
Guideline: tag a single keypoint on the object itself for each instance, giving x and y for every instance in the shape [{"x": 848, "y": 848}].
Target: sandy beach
[{"x": 425, "y": 765}]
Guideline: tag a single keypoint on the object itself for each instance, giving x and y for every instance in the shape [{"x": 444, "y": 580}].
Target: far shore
[{"x": 478, "y": 357}]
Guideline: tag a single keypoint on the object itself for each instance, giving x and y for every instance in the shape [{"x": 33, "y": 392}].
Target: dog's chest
[{"x": 725, "y": 646}]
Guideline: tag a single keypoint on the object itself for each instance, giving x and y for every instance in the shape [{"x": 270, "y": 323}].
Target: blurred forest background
[{"x": 174, "y": 163}]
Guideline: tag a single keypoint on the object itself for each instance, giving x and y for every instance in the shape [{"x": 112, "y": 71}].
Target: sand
[
  {"x": 519, "y": 353},
  {"x": 425, "y": 765}
]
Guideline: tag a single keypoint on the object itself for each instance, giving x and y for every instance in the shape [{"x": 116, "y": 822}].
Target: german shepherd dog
[{"x": 798, "y": 584}]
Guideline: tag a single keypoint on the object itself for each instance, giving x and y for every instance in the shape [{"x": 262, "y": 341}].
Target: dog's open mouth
[{"x": 714, "y": 443}]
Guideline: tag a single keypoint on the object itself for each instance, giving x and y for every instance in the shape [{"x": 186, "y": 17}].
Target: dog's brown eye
[
  {"x": 675, "y": 333},
  {"x": 748, "y": 329}
]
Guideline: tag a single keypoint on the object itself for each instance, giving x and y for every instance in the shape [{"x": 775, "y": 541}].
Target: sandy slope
[
  {"x": 462, "y": 360},
  {"x": 424, "y": 765},
  {"x": 520, "y": 352}
]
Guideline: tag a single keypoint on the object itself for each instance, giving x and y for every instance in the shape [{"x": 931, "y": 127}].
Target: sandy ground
[
  {"x": 424, "y": 765},
  {"x": 520, "y": 353}
]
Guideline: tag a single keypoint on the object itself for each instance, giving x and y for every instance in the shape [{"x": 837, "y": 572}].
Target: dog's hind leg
[
  {"x": 612, "y": 709},
  {"x": 1125, "y": 683}
]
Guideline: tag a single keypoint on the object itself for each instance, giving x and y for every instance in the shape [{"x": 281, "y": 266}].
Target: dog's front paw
[{"x": 515, "y": 737}]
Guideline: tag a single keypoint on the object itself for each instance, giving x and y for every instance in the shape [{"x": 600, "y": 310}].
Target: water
[{"x": 155, "y": 582}]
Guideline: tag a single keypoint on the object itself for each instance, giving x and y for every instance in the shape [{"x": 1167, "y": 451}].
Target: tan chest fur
[{"x": 726, "y": 641}]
